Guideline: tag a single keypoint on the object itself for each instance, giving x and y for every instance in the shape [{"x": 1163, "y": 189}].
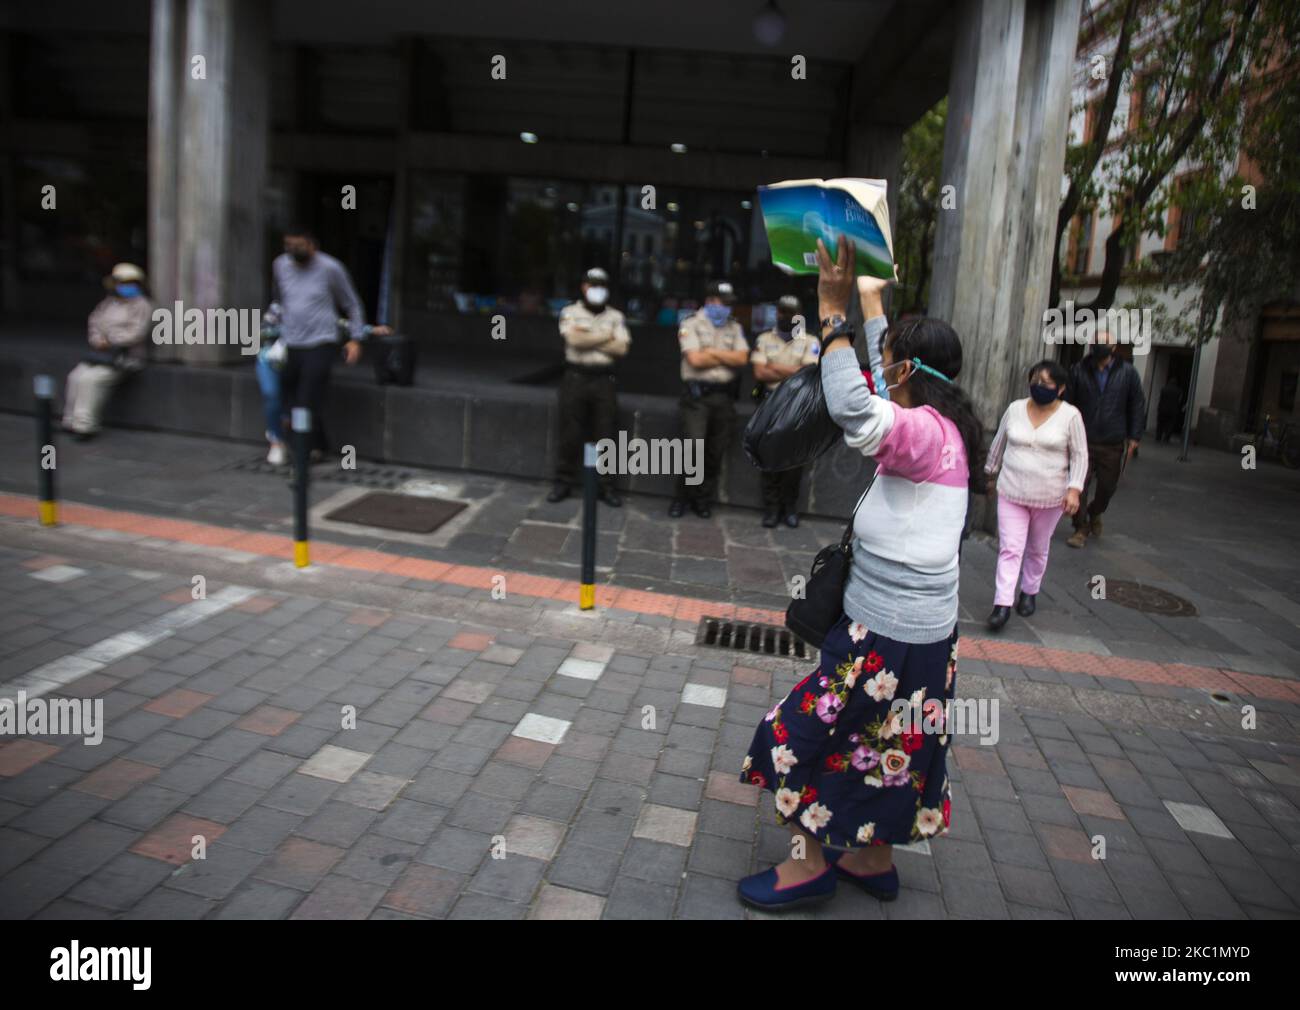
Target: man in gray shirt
[{"x": 310, "y": 289}]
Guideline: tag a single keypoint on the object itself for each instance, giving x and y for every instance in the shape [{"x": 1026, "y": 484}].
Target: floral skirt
[{"x": 856, "y": 752}]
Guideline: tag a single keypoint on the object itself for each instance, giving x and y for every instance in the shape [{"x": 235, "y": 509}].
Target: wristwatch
[{"x": 841, "y": 328}]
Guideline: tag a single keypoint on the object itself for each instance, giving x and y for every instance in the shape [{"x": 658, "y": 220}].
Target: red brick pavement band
[{"x": 640, "y": 601}]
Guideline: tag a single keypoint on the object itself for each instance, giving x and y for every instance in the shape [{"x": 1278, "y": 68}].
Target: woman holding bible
[{"x": 855, "y": 754}]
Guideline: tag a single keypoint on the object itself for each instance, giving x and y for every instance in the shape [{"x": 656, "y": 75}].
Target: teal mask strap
[{"x": 931, "y": 371}]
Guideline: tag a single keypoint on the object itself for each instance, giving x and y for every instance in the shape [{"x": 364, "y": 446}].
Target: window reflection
[{"x": 481, "y": 244}]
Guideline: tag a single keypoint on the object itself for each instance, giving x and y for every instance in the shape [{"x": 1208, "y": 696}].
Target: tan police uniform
[
  {"x": 588, "y": 405},
  {"x": 781, "y": 489},
  {"x": 707, "y": 407},
  {"x": 770, "y": 349}
]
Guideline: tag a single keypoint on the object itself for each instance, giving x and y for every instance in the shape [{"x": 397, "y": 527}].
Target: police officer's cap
[
  {"x": 788, "y": 302},
  {"x": 596, "y": 276},
  {"x": 723, "y": 290}
]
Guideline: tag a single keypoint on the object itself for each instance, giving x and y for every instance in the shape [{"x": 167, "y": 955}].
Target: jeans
[
  {"x": 268, "y": 380},
  {"x": 304, "y": 383}
]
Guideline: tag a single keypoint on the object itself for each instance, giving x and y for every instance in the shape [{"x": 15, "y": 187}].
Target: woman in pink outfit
[{"x": 1042, "y": 450}]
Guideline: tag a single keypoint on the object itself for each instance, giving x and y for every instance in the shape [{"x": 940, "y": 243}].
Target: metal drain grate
[
  {"x": 364, "y": 476},
  {"x": 1148, "y": 599},
  {"x": 742, "y": 636}
]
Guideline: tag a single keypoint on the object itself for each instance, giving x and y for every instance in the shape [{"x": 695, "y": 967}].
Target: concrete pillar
[
  {"x": 167, "y": 33},
  {"x": 1004, "y": 154},
  {"x": 875, "y": 151},
  {"x": 208, "y": 158}
]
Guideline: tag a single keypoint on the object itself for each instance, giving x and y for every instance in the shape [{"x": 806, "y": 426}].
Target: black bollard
[
  {"x": 301, "y": 423},
  {"x": 48, "y": 506},
  {"x": 587, "y": 589}
]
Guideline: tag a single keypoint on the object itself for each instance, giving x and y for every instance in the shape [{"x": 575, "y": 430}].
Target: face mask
[
  {"x": 885, "y": 369},
  {"x": 596, "y": 296},
  {"x": 128, "y": 291},
  {"x": 717, "y": 314},
  {"x": 1043, "y": 395},
  {"x": 301, "y": 255},
  {"x": 785, "y": 327}
]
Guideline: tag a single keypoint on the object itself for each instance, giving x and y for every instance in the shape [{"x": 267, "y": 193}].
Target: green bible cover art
[{"x": 797, "y": 214}]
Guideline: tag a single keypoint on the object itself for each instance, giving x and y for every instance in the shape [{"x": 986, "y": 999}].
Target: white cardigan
[{"x": 1039, "y": 464}]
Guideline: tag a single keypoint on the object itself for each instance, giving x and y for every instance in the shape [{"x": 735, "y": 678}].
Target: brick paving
[
  {"x": 1178, "y": 526},
  {"x": 367, "y": 740}
]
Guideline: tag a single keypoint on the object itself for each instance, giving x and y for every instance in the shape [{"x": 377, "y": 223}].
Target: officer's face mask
[
  {"x": 127, "y": 290},
  {"x": 717, "y": 314},
  {"x": 597, "y": 295},
  {"x": 785, "y": 326}
]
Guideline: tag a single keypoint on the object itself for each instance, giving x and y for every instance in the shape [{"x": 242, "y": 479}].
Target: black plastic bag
[{"x": 792, "y": 426}]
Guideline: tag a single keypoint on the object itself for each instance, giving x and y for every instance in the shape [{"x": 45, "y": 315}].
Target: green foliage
[
  {"x": 919, "y": 199},
  {"x": 1197, "y": 64}
]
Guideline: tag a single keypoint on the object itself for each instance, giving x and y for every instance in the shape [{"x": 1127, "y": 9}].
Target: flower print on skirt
[{"x": 856, "y": 753}]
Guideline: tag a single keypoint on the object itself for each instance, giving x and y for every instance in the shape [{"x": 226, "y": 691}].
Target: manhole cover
[
  {"x": 746, "y": 637},
  {"x": 1148, "y": 599},
  {"x": 407, "y": 513}
]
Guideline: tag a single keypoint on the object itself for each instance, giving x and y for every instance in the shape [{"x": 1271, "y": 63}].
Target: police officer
[
  {"x": 713, "y": 350},
  {"x": 595, "y": 336},
  {"x": 778, "y": 354}
]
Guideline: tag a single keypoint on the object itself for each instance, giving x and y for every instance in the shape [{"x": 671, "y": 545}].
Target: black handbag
[{"x": 822, "y": 605}]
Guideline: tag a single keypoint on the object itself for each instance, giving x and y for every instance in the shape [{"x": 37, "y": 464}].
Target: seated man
[{"x": 117, "y": 329}]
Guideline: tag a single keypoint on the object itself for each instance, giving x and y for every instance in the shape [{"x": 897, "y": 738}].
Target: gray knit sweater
[{"x": 903, "y": 580}]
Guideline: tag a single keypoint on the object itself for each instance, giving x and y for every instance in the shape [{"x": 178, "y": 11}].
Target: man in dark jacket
[{"x": 1108, "y": 393}]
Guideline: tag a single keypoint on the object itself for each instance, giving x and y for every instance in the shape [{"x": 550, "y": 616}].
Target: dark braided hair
[{"x": 938, "y": 346}]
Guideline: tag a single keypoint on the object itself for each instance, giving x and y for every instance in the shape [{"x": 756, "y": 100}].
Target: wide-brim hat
[{"x": 124, "y": 273}]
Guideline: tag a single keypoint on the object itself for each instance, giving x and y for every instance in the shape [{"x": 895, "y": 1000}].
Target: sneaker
[
  {"x": 763, "y": 891},
  {"x": 1079, "y": 538},
  {"x": 610, "y": 497},
  {"x": 770, "y": 519},
  {"x": 676, "y": 509},
  {"x": 277, "y": 456},
  {"x": 701, "y": 509},
  {"x": 559, "y": 492},
  {"x": 792, "y": 520}
]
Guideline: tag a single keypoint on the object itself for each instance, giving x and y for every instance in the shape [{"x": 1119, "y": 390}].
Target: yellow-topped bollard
[{"x": 47, "y": 508}]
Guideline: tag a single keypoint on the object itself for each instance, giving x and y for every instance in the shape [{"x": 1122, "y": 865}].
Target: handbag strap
[{"x": 848, "y": 529}]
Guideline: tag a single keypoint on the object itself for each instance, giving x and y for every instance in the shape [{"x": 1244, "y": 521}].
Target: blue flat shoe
[
  {"x": 879, "y": 885},
  {"x": 760, "y": 890}
]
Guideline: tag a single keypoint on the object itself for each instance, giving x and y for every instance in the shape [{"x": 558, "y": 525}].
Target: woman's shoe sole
[
  {"x": 782, "y": 906},
  {"x": 860, "y": 885}
]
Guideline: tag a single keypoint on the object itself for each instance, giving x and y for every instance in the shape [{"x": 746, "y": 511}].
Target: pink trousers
[{"x": 1024, "y": 534}]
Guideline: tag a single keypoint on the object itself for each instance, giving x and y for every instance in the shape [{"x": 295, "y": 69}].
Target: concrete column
[
  {"x": 1004, "y": 154},
  {"x": 167, "y": 32},
  {"x": 875, "y": 151},
  {"x": 208, "y": 158}
]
